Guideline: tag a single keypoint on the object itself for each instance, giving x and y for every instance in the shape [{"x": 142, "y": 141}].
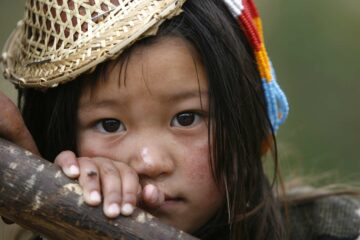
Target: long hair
[{"x": 238, "y": 120}]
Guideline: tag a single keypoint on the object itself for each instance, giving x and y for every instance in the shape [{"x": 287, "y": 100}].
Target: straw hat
[{"x": 60, "y": 39}]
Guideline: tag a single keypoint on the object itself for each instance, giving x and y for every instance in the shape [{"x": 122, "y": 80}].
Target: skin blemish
[
  {"x": 146, "y": 156},
  {"x": 13, "y": 166},
  {"x": 40, "y": 168},
  {"x": 91, "y": 174},
  {"x": 29, "y": 184}
]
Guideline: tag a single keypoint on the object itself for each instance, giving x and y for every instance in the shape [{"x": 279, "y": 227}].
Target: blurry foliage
[{"x": 315, "y": 48}]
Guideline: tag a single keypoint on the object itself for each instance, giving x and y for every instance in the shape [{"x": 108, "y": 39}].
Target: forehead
[{"x": 167, "y": 66}]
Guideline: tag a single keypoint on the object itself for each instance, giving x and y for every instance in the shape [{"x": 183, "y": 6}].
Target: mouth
[
  {"x": 170, "y": 199},
  {"x": 171, "y": 203},
  {"x": 170, "y": 206}
]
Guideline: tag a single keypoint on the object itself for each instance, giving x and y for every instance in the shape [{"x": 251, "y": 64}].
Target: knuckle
[
  {"x": 84, "y": 160},
  {"x": 133, "y": 174},
  {"x": 130, "y": 191},
  {"x": 88, "y": 182},
  {"x": 108, "y": 169},
  {"x": 113, "y": 196},
  {"x": 126, "y": 169}
]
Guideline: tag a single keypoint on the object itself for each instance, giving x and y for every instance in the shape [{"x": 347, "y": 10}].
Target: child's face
[{"x": 156, "y": 122}]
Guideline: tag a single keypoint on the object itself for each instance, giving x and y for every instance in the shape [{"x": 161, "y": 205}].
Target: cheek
[
  {"x": 87, "y": 150},
  {"x": 197, "y": 163},
  {"x": 196, "y": 166},
  {"x": 202, "y": 192},
  {"x": 89, "y": 146}
]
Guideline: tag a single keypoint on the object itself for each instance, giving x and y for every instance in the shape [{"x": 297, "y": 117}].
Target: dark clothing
[{"x": 330, "y": 218}]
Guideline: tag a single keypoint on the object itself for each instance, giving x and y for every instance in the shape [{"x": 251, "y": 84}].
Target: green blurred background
[{"x": 315, "y": 48}]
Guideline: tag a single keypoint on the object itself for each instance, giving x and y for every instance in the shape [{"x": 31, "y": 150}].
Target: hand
[
  {"x": 113, "y": 181},
  {"x": 12, "y": 126}
]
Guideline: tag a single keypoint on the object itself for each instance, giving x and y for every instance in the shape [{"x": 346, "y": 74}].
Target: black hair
[{"x": 239, "y": 123}]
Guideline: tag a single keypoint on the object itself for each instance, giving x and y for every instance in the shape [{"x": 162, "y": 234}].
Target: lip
[
  {"x": 170, "y": 198},
  {"x": 173, "y": 198},
  {"x": 171, "y": 202}
]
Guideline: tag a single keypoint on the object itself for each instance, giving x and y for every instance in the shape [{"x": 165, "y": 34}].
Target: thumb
[{"x": 152, "y": 197}]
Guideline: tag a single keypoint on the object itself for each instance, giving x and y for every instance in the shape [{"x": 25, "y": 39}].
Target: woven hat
[{"x": 59, "y": 39}]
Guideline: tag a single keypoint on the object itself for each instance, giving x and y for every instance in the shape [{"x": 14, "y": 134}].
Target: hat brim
[{"x": 107, "y": 41}]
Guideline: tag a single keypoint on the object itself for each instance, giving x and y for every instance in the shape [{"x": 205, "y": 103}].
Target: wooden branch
[{"x": 35, "y": 194}]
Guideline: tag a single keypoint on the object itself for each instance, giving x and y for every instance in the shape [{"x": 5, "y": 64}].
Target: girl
[{"x": 171, "y": 115}]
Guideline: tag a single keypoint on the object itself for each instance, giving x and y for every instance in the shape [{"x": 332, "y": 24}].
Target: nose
[{"x": 151, "y": 158}]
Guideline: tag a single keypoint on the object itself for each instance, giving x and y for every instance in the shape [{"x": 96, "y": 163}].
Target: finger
[
  {"x": 139, "y": 195},
  {"x": 89, "y": 181},
  {"x": 111, "y": 185},
  {"x": 68, "y": 163},
  {"x": 12, "y": 126},
  {"x": 152, "y": 196},
  {"x": 130, "y": 187}
]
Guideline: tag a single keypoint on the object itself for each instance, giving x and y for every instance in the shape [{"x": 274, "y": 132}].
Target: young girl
[{"x": 165, "y": 105}]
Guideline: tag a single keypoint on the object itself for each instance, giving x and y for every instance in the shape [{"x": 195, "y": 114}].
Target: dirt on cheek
[
  {"x": 88, "y": 146},
  {"x": 196, "y": 165}
]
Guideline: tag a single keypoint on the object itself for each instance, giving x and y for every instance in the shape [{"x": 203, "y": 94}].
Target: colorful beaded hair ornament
[
  {"x": 58, "y": 40},
  {"x": 248, "y": 17}
]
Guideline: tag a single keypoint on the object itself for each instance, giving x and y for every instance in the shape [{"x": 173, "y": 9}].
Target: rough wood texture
[{"x": 35, "y": 194}]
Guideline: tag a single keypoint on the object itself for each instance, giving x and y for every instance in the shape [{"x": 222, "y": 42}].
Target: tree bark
[{"x": 36, "y": 194}]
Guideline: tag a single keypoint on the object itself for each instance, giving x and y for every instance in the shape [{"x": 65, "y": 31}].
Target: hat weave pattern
[{"x": 60, "y": 39}]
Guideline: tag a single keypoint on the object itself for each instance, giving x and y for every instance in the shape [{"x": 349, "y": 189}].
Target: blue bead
[{"x": 277, "y": 104}]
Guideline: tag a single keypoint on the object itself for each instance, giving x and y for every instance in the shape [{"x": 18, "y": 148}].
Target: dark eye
[
  {"x": 110, "y": 126},
  {"x": 185, "y": 119}
]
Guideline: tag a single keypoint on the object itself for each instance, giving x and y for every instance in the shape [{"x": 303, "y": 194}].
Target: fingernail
[
  {"x": 127, "y": 209},
  {"x": 113, "y": 210},
  {"x": 74, "y": 170},
  {"x": 95, "y": 197}
]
